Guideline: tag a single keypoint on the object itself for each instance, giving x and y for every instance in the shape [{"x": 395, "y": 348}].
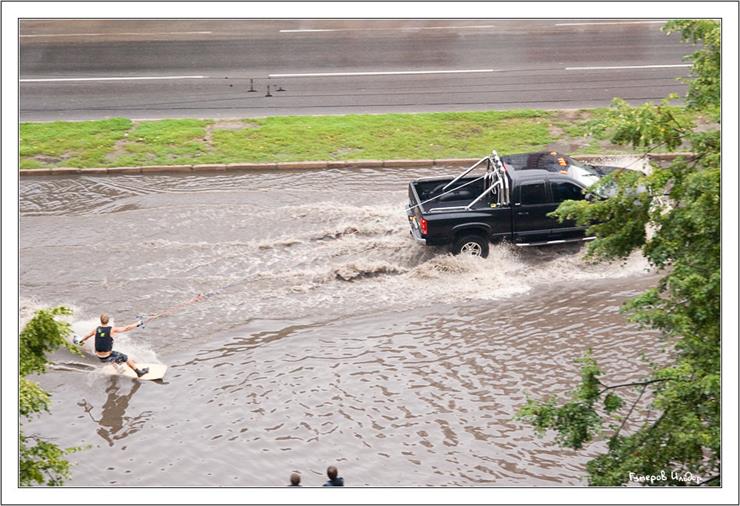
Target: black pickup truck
[{"x": 510, "y": 201}]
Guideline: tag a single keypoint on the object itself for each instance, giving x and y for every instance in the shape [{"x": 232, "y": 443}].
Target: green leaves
[
  {"x": 619, "y": 221},
  {"x": 576, "y": 422},
  {"x": 704, "y": 85},
  {"x": 40, "y": 461},
  {"x": 673, "y": 216},
  {"x": 647, "y": 126},
  {"x": 41, "y": 335},
  {"x": 612, "y": 402},
  {"x": 32, "y": 398},
  {"x": 588, "y": 391}
]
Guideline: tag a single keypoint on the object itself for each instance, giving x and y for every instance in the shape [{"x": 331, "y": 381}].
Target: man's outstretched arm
[{"x": 121, "y": 330}]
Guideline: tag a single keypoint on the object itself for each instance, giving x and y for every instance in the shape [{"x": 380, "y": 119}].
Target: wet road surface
[{"x": 328, "y": 335}]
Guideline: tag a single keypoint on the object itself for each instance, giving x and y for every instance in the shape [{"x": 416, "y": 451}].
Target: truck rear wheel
[{"x": 473, "y": 245}]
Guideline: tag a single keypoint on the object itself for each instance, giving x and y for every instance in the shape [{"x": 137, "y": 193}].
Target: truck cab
[{"x": 542, "y": 181}]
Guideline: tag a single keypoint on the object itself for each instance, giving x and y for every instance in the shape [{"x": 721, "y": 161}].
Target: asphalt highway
[{"x": 149, "y": 69}]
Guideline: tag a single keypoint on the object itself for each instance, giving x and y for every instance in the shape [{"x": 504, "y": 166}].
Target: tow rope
[{"x": 144, "y": 319}]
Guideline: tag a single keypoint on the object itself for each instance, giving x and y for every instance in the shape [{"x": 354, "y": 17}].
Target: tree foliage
[
  {"x": 672, "y": 215},
  {"x": 40, "y": 461}
]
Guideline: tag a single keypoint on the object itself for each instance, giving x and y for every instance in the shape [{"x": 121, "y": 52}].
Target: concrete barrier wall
[{"x": 312, "y": 165}]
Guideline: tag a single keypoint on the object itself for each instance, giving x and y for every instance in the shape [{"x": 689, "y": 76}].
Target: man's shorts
[{"x": 115, "y": 357}]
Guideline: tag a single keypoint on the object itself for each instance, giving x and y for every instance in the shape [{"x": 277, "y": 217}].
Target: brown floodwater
[{"x": 328, "y": 336}]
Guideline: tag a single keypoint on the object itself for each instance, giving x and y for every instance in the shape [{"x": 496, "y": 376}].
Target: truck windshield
[{"x": 583, "y": 173}]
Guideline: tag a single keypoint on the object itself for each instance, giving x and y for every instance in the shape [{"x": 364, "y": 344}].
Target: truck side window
[
  {"x": 563, "y": 190},
  {"x": 533, "y": 193}
]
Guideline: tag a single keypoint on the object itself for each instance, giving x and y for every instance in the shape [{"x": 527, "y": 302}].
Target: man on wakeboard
[{"x": 104, "y": 335}]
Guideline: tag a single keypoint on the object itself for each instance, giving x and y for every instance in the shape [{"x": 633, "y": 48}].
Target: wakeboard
[{"x": 156, "y": 371}]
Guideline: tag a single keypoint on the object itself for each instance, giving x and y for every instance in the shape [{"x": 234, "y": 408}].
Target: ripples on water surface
[{"x": 329, "y": 337}]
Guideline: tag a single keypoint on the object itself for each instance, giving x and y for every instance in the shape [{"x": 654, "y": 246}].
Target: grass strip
[
  {"x": 70, "y": 143},
  {"x": 121, "y": 142}
]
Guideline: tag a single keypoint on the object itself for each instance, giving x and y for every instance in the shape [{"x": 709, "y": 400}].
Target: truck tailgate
[{"x": 414, "y": 213}]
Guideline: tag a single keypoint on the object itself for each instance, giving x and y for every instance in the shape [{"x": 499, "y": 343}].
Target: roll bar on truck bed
[{"x": 495, "y": 181}]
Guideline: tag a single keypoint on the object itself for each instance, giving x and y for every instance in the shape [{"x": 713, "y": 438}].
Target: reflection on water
[{"x": 113, "y": 423}]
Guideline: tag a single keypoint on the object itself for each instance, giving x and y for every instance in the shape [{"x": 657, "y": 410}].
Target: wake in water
[
  {"x": 349, "y": 258},
  {"x": 294, "y": 246}
]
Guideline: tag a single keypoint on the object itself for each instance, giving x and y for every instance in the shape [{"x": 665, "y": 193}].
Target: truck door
[
  {"x": 532, "y": 203},
  {"x": 563, "y": 189}
]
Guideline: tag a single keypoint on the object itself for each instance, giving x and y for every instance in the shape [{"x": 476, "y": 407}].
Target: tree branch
[
  {"x": 680, "y": 127},
  {"x": 642, "y": 392},
  {"x": 636, "y": 383},
  {"x": 652, "y": 148}
]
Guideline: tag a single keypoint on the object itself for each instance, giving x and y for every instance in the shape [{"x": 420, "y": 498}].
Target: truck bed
[{"x": 427, "y": 189}]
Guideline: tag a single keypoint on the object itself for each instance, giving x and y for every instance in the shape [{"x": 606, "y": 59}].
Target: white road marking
[
  {"x": 332, "y": 74},
  {"x": 462, "y": 27},
  {"x": 389, "y": 73},
  {"x": 140, "y": 78},
  {"x": 110, "y": 34},
  {"x": 613, "y": 23},
  {"x": 312, "y": 30},
  {"x": 630, "y": 67},
  {"x": 405, "y": 28}
]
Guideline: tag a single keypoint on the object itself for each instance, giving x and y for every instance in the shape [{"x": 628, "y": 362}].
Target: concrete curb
[
  {"x": 251, "y": 166},
  {"x": 309, "y": 165},
  {"x": 400, "y": 164},
  {"x": 455, "y": 162},
  {"x": 166, "y": 168},
  {"x": 302, "y": 165}
]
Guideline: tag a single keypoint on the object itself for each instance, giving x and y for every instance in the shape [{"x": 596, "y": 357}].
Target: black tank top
[{"x": 103, "y": 339}]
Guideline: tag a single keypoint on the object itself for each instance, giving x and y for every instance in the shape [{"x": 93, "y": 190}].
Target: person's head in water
[
  {"x": 104, "y": 319},
  {"x": 331, "y": 472},
  {"x": 295, "y": 480}
]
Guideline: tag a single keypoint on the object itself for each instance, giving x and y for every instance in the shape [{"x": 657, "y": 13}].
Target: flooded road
[{"x": 327, "y": 335}]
